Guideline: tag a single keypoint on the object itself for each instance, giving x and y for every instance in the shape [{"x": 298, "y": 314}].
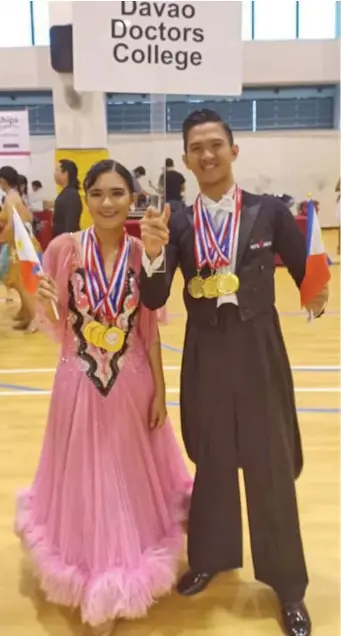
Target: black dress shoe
[
  {"x": 192, "y": 583},
  {"x": 296, "y": 619}
]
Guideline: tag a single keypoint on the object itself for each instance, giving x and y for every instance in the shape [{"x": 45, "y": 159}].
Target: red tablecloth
[
  {"x": 133, "y": 227},
  {"x": 301, "y": 221},
  {"x": 43, "y": 227}
]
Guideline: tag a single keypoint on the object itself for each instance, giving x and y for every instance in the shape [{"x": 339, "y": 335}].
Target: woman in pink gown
[{"x": 103, "y": 520}]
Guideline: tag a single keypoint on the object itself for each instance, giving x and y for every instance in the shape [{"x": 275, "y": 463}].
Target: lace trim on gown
[{"x": 101, "y": 367}]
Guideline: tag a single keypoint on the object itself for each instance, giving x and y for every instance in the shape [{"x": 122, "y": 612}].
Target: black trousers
[{"x": 236, "y": 413}]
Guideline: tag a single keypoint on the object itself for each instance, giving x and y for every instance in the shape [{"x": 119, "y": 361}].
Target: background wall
[
  {"x": 292, "y": 162},
  {"x": 287, "y": 120},
  {"x": 280, "y": 63}
]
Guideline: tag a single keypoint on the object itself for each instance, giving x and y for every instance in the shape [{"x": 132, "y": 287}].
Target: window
[
  {"x": 295, "y": 113},
  {"x": 158, "y": 114},
  {"x": 275, "y": 19},
  {"x": 128, "y": 116},
  {"x": 271, "y": 108},
  {"x": 41, "y": 22},
  {"x": 41, "y": 120},
  {"x": 39, "y": 106},
  {"x": 40, "y": 117},
  {"x": 15, "y": 24},
  {"x": 247, "y": 20},
  {"x": 317, "y": 20},
  {"x": 238, "y": 112}
]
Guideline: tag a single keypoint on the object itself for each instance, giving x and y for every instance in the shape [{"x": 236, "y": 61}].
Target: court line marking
[
  {"x": 313, "y": 368},
  {"x": 15, "y": 387},
  {"x": 24, "y": 392}
]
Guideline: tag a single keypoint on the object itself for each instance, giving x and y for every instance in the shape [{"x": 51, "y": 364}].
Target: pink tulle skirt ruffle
[
  {"x": 103, "y": 521},
  {"x": 118, "y": 592}
]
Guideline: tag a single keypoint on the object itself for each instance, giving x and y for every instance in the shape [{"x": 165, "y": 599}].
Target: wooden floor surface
[{"x": 234, "y": 604}]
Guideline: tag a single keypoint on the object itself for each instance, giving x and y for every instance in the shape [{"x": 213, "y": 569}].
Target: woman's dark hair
[
  {"x": 22, "y": 182},
  {"x": 10, "y": 175},
  {"x": 204, "y": 116},
  {"x": 108, "y": 165},
  {"x": 71, "y": 169}
]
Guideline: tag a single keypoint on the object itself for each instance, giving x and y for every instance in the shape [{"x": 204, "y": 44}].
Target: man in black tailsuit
[{"x": 237, "y": 395}]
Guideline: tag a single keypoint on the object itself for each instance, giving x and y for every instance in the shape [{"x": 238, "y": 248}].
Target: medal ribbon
[
  {"x": 105, "y": 297},
  {"x": 215, "y": 248},
  {"x": 199, "y": 247}
]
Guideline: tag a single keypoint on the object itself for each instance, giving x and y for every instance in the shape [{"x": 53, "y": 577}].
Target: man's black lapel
[{"x": 249, "y": 213}]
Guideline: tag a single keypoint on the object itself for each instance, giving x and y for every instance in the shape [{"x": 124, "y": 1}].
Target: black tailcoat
[{"x": 237, "y": 399}]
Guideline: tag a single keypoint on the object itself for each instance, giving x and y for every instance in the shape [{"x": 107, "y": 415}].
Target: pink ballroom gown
[{"x": 103, "y": 520}]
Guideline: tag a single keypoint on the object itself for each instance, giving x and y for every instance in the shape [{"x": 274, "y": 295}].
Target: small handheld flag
[
  {"x": 317, "y": 273},
  {"x": 29, "y": 262}
]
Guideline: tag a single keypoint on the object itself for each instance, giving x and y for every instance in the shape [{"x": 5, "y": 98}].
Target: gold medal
[
  {"x": 98, "y": 337},
  {"x": 227, "y": 284},
  {"x": 210, "y": 287},
  {"x": 94, "y": 333},
  {"x": 113, "y": 339},
  {"x": 88, "y": 330},
  {"x": 195, "y": 287}
]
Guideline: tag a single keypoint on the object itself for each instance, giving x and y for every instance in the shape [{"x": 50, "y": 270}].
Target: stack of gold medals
[
  {"x": 213, "y": 286},
  {"x": 106, "y": 298},
  {"x": 214, "y": 249},
  {"x": 106, "y": 338}
]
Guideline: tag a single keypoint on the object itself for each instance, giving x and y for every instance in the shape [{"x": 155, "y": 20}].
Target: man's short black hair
[
  {"x": 140, "y": 171},
  {"x": 204, "y": 116},
  {"x": 169, "y": 163}
]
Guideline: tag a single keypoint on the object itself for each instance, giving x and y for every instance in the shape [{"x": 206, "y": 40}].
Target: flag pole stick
[
  {"x": 53, "y": 304},
  {"x": 33, "y": 251}
]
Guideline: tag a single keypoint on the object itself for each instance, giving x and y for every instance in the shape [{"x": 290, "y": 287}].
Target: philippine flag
[
  {"x": 317, "y": 273},
  {"x": 29, "y": 262}
]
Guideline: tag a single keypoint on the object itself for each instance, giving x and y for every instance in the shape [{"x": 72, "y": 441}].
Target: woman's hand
[
  {"x": 158, "y": 413},
  {"x": 47, "y": 292}
]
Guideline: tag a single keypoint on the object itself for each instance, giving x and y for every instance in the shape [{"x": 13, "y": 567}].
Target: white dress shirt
[{"x": 217, "y": 211}]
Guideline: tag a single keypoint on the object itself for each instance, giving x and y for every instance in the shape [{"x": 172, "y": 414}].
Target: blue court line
[
  {"x": 170, "y": 348},
  {"x": 15, "y": 387}
]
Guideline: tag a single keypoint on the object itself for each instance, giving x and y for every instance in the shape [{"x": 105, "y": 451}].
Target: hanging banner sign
[
  {"x": 158, "y": 47},
  {"x": 14, "y": 133}
]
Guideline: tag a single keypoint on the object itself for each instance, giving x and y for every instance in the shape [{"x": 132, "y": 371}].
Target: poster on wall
[
  {"x": 15, "y": 140},
  {"x": 14, "y": 133},
  {"x": 158, "y": 47}
]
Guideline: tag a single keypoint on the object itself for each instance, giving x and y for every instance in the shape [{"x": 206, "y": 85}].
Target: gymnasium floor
[{"x": 234, "y": 604}]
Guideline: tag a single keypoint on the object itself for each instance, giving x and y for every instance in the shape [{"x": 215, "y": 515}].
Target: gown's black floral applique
[{"x": 101, "y": 367}]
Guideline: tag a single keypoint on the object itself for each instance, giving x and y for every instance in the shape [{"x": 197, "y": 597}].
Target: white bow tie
[{"x": 225, "y": 205}]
